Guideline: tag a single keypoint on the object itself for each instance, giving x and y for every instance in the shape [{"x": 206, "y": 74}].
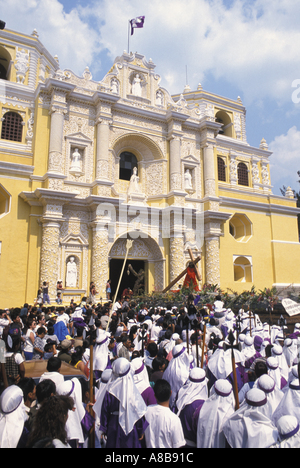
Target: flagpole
[{"x": 128, "y": 35}]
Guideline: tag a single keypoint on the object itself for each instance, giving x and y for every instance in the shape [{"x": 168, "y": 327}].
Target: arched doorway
[{"x": 146, "y": 255}]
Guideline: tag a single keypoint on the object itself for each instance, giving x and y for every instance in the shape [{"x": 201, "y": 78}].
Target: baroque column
[
  {"x": 49, "y": 270},
  {"x": 177, "y": 260},
  {"x": 59, "y": 92},
  {"x": 212, "y": 260},
  {"x": 175, "y": 170},
  {"x": 100, "y": 267},
  {"x": 102, "y": 148},
  {"x": 56, "y": 139},
  {"x": 209, "y": 170}
]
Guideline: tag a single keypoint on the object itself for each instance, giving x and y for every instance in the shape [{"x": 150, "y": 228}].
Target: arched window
[
  {"x": 5, "y": 60},
  {"x": 223, "y": 118},
  {"x": 127, "y": 162},
  {"x": 221, "y": 169},
  {"x": 12, "y": 127},
  {"x": 243, "y": 174},
  {"x": 243, "y": 269},
  {"x": 3, "y": 72}
]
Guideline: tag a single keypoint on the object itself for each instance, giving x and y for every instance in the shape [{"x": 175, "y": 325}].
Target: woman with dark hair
[
  {"x": 76, "y": 359},
  {"x": 50, "y": 421}
]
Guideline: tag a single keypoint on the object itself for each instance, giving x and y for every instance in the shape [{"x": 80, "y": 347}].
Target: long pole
[
  {"x": 203, "y": 345},
  {"x": 235, "y": 385},
  {"x": 92, "y": 430},
  {"x": 128, "y": 247},
  {"x": 128, "y": 35},
  {"x": 197, "y": 346}
]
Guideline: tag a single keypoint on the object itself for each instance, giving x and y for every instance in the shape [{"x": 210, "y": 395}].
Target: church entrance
[{"x": 128, "y": 280}]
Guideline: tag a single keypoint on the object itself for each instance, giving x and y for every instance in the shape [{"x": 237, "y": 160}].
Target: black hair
[
  {"x": 45, "y": 389},
  {"x": 48, "y": 347},
  {"x": 157, "y": 363},
  {"x": 260, "y": 368},
  {"x": 27, "y": 386},
  {"x": 54, "y": 364},
  {"x": 268, "y": 350},
  {"x": 168, "y": 335},
  {"x": 152, "y": 349},
  {"x": 162, "y": 391},
  {"x": 135, "y": 355}
]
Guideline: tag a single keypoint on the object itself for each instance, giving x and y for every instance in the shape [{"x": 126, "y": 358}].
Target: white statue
[
  {"x": 114, "y": 86},
  {"x": 76, "y": 162},
  {"x": 188, "y": 180},
  {"x": 159, "y": 98},
  {"x": 136, "y": 89},
  {"x": 134, "y": 186},
  {"x": 71, "y": 276}
]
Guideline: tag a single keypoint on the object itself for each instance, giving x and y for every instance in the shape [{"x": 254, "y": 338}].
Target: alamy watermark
[
  {"x": 138, "y": 221},
  {"x": 296, "y": 93}
]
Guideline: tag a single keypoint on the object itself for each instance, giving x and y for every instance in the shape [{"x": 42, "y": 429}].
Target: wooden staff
[
  {"x": 92, "y": 430},
  {"x": 128, "y": 247},
  {"x": 235, "y": 385},
  {"x": 197, "y": 349},
  {"x": 187, "y": 334},
  {"x": 203, "y": 345},
  {"x": 179, "y": 276}
]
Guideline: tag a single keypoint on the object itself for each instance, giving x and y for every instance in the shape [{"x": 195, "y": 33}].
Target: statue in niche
[
  {"x": 134, "y": 186},
  {"x": 159, "y": 98},
  {"x": 76, "y": 165},
  {"x": 136, "y": 88},
  {"x": 114, "y": 86},
  {"x": 188, "y": 180},
  {"x": 71, "y": 276}
]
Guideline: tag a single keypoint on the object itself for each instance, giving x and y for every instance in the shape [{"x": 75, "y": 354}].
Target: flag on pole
[{"x": 137, "y": 23}]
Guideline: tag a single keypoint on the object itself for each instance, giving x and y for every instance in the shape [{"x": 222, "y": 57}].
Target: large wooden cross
[{"x": 184, "y": 272}]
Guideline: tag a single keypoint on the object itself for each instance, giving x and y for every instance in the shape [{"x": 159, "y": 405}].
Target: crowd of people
[{"x": 162, "y": 377}]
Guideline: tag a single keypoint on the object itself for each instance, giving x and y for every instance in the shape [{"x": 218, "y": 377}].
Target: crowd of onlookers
[{"x": 162, "y": 377}]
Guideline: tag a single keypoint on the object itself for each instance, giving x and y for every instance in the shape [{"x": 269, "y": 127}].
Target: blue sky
[{"x": 233, "y": 47}]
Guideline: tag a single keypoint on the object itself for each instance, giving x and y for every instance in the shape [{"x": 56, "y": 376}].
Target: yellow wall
[
  {"x": 272, "y": 262},
  {"x": 15, "y": 243}
]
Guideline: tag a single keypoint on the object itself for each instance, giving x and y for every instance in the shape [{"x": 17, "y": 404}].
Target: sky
[{"x": 232, "y": 47}]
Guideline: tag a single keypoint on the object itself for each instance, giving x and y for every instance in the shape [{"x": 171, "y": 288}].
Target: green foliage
[{"x": 253, "y": 299}]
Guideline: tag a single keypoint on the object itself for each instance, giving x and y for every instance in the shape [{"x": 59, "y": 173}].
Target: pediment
[
  {"x": 73, "y": 239},
  {"x": 191, "y": 159},
  {"x": 79, "y": 136}
]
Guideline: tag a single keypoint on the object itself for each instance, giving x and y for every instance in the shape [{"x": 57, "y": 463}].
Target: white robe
[
  {"x": 249, "y": 427},
  {"x": 177, "y": 371},
  {"x": 164, "y": 430},
  {"x": 213, "y": 414}
]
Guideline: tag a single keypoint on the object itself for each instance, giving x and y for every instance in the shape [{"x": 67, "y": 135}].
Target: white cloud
[
  {"x": 252, "y": 44},
  {"x": 63, "y": 34},
  {"x": 285, "y": 161}
]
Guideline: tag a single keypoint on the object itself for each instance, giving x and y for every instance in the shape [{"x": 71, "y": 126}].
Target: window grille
[
  {"x": 221, "y": 170},
  {"x": 243, "y": 174},
  {"x": 12, "y": 127}
]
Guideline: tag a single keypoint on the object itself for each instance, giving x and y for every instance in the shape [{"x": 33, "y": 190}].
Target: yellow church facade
[{"x": 85, "y": 165}]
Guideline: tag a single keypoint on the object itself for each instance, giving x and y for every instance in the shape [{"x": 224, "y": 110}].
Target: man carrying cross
[
  {"x": 190, "y": 278},
  {"x": 191, "y": 272}
]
